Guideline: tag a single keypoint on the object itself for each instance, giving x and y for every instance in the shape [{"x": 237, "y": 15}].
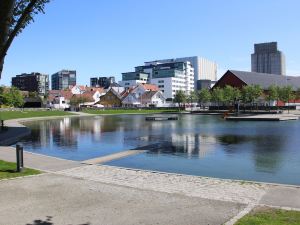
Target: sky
[{"x": 108, "y": 37}]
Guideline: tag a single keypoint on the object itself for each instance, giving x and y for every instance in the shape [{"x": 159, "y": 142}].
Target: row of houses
[{"x": 142, "y": 95}]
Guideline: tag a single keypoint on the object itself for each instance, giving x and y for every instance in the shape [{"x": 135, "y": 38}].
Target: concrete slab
[
  {"x": 282, "y": 196},
  {"x": 113, "y": 157},
  {"x": 37, "y": 161},
  {"x": 263, "y": 117},
  {"x": 55, "y": 199}
]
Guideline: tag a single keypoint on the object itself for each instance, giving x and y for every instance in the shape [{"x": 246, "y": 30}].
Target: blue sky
[{"x": 108, "y": 37}]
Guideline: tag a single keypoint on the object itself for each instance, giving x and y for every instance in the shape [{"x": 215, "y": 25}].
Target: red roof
[
  {"x": 67, "y": 94},
  {"x": 151, "y": 87}
]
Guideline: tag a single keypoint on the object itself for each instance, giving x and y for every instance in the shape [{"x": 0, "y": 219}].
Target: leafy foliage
[
  {"x": 204, "y": 95},
  {"x": 180, "y": 97},
  {"x": 11, "y": 97},
  {"x": 217, "y": 95},
  {"x": 19, "y": 9},
  {"x": 286, "y": 94}
]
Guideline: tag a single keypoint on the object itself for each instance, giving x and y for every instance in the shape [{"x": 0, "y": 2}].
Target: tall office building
[
  {"x": 204, "y": 69},
  {"x": 32, "y": 82},
  {"x": 63, "y": 79},
  {"x": 103, "y": 82},
  {"x": 268, "y": 59}
]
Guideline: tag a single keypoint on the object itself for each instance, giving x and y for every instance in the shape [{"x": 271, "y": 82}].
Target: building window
[
  {"x": 161, "y": 86},
  {"x": 160, "y": 81}
]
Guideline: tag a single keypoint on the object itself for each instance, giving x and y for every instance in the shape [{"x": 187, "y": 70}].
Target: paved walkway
[
  {"x": 74, "y": 193},
  {"x": 66, "y": 200}
]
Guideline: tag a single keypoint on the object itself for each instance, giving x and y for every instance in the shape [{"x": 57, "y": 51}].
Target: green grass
[
  {"x": 128, "y": 111},
  {"x": 269, "y": 216},
  {"x": 28, "y": 114},
  {"x": 8, "y": 170}
]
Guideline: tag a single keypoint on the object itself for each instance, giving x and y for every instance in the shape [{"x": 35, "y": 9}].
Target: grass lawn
[
  {"x": 269, "y": 216},
  {"x": 127, "y": 111},
  {"x": 28, "y": 114},
  {"x": 8, "y": 170}
]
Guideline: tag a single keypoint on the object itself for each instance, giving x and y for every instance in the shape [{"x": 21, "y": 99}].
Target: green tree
[
  {"x": 193, "y": 97},
  {"x": 286, "y": 94},
  {"x": 204, "y": 96},
  {"x": 15, "y": 15},
  {"x": 229, "y": 95},
  {"x": 251, "y": 93},
  {"x": 13, "y": 98},
  {"x": 272, "y": 94},
  {"x": 217, "y": 96},
  {"x": 180, "y": 98}
]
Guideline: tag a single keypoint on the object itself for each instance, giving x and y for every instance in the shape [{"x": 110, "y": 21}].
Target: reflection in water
[{"x": 225, "y": 148}]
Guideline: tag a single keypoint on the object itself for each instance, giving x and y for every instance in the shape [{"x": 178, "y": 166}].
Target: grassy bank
[
  {"x": 8, "y": 170},
  {"x": 27, "y": 114},
  {"x": 128, "y": 111},
  {"x": 268, "y": 216}
]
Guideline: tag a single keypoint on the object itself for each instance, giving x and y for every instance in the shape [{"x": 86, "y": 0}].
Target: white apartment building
[
  {"x": 204, "y": 69},
  {"x": 170, "y": 77},
  {"x": 132, "y": 79}
]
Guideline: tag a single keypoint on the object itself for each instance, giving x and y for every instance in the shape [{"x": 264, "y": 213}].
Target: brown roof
[
  {"x": 88, "y": 96},
  {"x": 67, "y": 94}
]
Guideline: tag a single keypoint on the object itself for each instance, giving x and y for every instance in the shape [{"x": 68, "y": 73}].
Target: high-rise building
[
  {"x": 32, "y": 82},
  {"x": 204, "y": 69},
  {"x": 170, "y": 77},
  {"x": 63, "y": 79},
  {"x": 268, "y": 59},
  {"x": 103, "y": 82}
]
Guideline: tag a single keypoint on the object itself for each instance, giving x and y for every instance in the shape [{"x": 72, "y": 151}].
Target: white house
[
  {"x": 131, "y": 99},
  {"x": 154, "y": 98}
]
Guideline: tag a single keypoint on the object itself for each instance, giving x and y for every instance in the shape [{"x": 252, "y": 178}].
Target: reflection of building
[{"x": 194, "y": 144}]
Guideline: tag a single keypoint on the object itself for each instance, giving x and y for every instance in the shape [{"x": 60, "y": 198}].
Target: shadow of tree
[
  {"x": 8, "y": 171},
  {"x": 48, "y": 221}
]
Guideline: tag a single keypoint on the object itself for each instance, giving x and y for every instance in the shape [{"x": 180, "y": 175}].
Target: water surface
[{"x": 195, "y": 144}]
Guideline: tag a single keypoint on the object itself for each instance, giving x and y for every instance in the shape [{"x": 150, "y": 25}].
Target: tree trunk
[{"x": 6, "y": 13}]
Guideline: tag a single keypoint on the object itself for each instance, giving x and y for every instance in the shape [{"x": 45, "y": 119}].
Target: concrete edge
[
  {"x": 23, "y": 177},
  {"x": 241, "y": 182}
]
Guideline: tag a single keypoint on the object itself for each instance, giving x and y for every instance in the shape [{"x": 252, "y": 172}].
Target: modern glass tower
[
  {"x": 63, "y": 79},
  {"x": 268, "y": 59}
]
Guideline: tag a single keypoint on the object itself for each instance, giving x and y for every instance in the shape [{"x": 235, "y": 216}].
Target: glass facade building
[
  {"x": 63, "y": 79},
  {"x": 103, "y": 82}
]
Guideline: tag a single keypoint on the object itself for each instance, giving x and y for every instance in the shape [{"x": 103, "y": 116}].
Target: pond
[{"x": 195, "y": 144}]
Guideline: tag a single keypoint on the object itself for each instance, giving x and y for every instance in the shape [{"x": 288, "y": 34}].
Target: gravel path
[{"x": 208, "y": 188}]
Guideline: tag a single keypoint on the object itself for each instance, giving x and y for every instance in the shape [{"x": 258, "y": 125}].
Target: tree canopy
[
  {"x": 180, "y": 97},
  {"x": 15, "y": 15}
]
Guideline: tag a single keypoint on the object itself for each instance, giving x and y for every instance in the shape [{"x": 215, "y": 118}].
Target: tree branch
[{"x": 15, "y": 31}]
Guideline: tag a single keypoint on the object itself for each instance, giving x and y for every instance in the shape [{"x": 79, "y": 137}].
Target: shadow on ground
[{"x": 48, "y": 221}]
